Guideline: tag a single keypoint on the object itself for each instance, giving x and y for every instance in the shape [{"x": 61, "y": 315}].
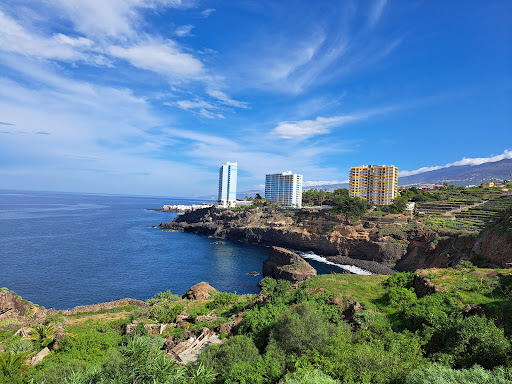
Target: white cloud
[
  {"x": 507, "y": 154},
  {"x": 210, "y": 115},
  {"x": 225, "y": 99},
  {"x": 307, "y": 128},
  {"x": 191, "y": 104},
  {"x": 15, "y": 38},
  {"x": 198, "y": 107},
  {"x": 207, "y": 12},
  {"x": 317, "y": 183},
  {"x": 376, "y": 12},
  {"x": 112, "y": 18},
  {"x": 163, "y": 58},
  {"x": 184, "y": 30}
]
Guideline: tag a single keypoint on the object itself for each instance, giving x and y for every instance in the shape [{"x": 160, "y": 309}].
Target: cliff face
[
  {"x": 286, "y": 265},
  {"x": 496, "y": 242},
  {"x": 393, "y": 240}
]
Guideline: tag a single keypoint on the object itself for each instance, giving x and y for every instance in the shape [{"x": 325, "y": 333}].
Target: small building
[
  {"x": 490, "y": 184},
  {"x": 409, "y": 210}
]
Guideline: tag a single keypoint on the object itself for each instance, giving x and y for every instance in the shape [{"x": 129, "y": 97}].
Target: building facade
[
  {"x": 378, "y": 184},
  {"x": 284, "y": 188},
  {"x": 227, "y": 183}
]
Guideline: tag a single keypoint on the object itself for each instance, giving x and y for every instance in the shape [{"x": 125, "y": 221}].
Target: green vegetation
[{"x": 329, "y": 329}]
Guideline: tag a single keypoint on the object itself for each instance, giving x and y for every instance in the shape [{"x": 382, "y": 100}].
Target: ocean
[{"x": 60, "y": 250}]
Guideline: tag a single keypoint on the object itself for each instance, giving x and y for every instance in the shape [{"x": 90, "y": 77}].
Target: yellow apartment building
[{"x": 376, "y": 183}]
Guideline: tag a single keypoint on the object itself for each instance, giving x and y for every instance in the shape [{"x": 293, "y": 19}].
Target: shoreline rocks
[{"x": 283, "y": 264}]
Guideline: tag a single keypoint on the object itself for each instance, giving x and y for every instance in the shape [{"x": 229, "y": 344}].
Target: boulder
[
  {"x": 40, "y": 356},
  {"x": 423, "y": 286},
  {"x": 351, "y": 309},
  {"x": 200, "y": 291},
  {"x": 283, "y": 264}
]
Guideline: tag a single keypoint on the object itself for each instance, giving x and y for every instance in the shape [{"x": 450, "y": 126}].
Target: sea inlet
[{"x": 60, "y": 250}]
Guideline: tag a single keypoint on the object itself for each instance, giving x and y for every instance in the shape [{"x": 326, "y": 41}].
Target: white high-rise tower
[
  {"x": 227, "y": 183},
  {"x": 284, "y": 188}
]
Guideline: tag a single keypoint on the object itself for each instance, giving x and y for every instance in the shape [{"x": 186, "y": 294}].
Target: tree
[{"x": 398, "y": 206}]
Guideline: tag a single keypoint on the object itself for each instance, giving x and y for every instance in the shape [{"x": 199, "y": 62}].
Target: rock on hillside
[
  {"x": 14, "y": 307},
  {"x": 200, "y": 291},
  {"x": 283, "y": 264}
]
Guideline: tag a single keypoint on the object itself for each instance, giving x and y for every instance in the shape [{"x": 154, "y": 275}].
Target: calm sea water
[{"x": 61, "y": 250}]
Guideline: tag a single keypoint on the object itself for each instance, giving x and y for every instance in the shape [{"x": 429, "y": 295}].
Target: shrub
[
  {"x": 221, "y": 299},
  {"x": 165, "y": 312},
  {"x": 303, "y": 329},
  {"x": 429, "y": 311},
  {"x": 446, "y": 375},
  {"x": 469, "y": 341},
  {"x": 303, "y": 376}
]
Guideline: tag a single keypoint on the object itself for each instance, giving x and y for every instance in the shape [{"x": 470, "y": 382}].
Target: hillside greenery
[{"x": 329, "y": 329}]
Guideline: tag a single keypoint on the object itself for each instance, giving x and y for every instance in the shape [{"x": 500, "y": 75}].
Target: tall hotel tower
[
  {"x": 227, "y": 183},
  {"x": 376, "y": 183},
  {"x": 284, "y": 188}
]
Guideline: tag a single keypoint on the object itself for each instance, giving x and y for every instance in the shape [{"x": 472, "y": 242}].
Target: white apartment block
[
  {"x": 284, "y": 188},
  {"x": 376, "y": 183},
  {"x": 227, "y": 183}
]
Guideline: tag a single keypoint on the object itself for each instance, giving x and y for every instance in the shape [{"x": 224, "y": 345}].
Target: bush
[
  {"x": 468, "y": 341},
  {"x": 303, "y": 329},
  {"x": 238, "y": 361},
  {"x": 303, "y": 376},
  {"x": 400, "y": 297},
  {"x": 429, "y": 311},
  {"x": 223, "y": 298},
  {"x": 400, "y": 280},
  {"x": 165, "y": 312},
  {"x": 446, "y": 375}
]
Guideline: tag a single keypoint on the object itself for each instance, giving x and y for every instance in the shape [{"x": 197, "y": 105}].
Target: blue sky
[{"x": 152, "y": 96}]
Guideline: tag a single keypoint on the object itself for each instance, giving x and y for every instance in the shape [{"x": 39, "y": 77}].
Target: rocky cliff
[
  {"x": 393, "y": 240},
  {"x": 283, "y": 264}
]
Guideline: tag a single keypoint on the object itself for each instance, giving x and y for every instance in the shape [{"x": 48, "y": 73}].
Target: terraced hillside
[{"x": 468, "y": 210}]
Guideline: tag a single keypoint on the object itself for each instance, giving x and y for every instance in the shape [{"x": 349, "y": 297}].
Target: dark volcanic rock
[
  {"x": 423, "y": 286},
  {"x": 283, "y": 264}
]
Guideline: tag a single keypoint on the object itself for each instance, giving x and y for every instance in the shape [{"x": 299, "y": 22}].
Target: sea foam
[{"x": 351, "y": 268}]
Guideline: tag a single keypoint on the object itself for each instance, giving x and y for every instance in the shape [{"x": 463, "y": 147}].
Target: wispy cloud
[
  {"x": 307, "y": 128},
  {"x": 376, "y": 12},
  {"x": 113, "y": 18},
  {"x": 161, "y": 57},
  {"x": 207, "y": 12},
  {"x": 507, "y": 154},
  {"x": 225, "y": 99},
  {"x": 184, "y": 30},
  {"x": 3, "y": 123},
  {"x": 199, "y": 107}
]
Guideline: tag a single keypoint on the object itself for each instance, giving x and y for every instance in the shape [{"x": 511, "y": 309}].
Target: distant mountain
[
  {"x": 327, "y": 187},
  {"x": 462, "y": 175}
]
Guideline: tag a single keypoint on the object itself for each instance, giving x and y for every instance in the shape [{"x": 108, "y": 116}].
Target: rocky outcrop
[
  {"x": 14, "y": 307},
  {"x": 303, "y": 230},
  {"x": 103, "y": 306},
  {"x": 496, "y": 243},
  {"x": 283, "y": 264},
  {"x": 389, "y": 240},
  {"x": 200, "y": 291},
  {"x": 423, "y": 286}
]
